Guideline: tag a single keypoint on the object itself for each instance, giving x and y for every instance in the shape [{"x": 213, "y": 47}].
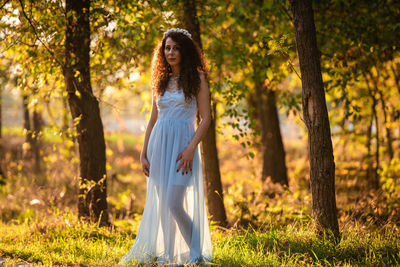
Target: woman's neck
[{"x": 175, "y": 71}]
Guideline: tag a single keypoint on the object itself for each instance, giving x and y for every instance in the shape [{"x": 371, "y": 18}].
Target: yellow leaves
[
  {"x": 108, "y": 166},
  {"x": 227, "y": 23},
  {"x": 128, "y": 18},
  {"x": 254, "y": 48},
  {"x": 77, "y": 120},
  {"x": 270, "y": 74},
  {"x": 26, "y": 146},
  {"x": 106, "y": 54},
  {"x": 109, "y": 152},
  {"x": 135, "y": 166},
  {"x": 78, "y": 94}
]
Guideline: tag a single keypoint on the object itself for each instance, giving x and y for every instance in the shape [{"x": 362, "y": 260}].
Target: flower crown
[{"x": 183, "y": 31}]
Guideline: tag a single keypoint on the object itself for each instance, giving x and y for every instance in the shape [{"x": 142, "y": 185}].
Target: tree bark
[
  {"x": 369, "y": 149},
  {"x": 1, "y": 107},
  {"x": 27, "y": 121},
  {"x": 385, "y": 115},
  {"x": 322, "y": 165},
  {"x": 272, "y": 146},
  {"x": 396, "y": 76},
  {"x": 92, "y": 203},
  {"x": 37, "y": 128},
  {"x": 2, "y": 176},
  {"x": 35, "y": 135},
  {"x": 372, "y": 94},
  {"x": 208, "y": 145}
]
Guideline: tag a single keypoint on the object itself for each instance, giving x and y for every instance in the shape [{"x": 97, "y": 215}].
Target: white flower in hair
[{"x": 183, "y": 31}]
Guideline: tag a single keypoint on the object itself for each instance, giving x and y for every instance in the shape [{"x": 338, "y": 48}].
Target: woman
[{"x": 174, "y": 227}]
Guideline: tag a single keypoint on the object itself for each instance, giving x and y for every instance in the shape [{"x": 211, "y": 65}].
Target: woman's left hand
[{"x": 186, "y": 160}]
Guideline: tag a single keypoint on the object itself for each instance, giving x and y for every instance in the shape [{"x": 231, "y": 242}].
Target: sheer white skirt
[{"x": 174, "y": 227}]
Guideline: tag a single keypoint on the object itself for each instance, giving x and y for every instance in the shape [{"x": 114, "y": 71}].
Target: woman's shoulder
[{"x": 202, "y": 76}]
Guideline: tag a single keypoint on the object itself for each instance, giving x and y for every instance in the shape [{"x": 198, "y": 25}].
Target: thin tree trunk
[
  {"x": 208, "y": 146},
  {"x": 65, "y": 114},
  {"x": 27, "y": 122},
  {"x": 322, "y": 165},
  {"x": 272, "y": 146},
  {"x": 375, "y": 114},
  {"x": 385, "y": 115},
  {"x": 389, "y": 138},
  {"x": 372, "y": 93},
  {"x": 37, "y": 128},
  {"x": 396, "y": 76},
  {"x": 84, "y": 108},
  {"x": 369, "y": 149},
  {"x": 2, "y": 176},
  {"x": 1, "y": 107}
]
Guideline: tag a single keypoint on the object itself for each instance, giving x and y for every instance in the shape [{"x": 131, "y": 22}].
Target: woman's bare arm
[
  {"x": 203, "y": 103},
  {"x": 149, "y": 128}
]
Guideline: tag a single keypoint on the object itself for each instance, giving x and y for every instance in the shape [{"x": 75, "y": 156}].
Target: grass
[
  {"x": 270, "y": 226},
  {"x": 61, "y": 239}
]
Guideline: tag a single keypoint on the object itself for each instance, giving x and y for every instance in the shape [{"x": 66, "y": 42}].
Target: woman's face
[{"x": 171, "y": 52}]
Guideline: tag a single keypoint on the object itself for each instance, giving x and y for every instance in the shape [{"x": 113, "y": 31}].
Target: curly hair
[{"x": 192, "y": 62}]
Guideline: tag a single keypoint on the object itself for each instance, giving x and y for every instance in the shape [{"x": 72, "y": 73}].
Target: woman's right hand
[{"x": 145, "y": 166}]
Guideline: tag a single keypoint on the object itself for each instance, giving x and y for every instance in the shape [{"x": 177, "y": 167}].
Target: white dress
[{"x": 174, "y": 227}]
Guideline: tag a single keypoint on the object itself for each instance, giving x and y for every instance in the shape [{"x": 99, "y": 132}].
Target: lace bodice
[{"x": 174, "y": 106}]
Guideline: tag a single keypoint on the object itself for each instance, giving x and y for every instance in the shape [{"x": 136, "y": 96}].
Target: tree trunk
[
  {"x": 65, "y": 115},
  {"x": 372, "y": 94},
  {"x": 396, "y": 76},
  {"x": 92, "y": 203},
  {"x": 1, "y": 107},
  {"x": 37, "y": 128},
  {"x": 322, "y": 165},
  {"x": 272, "y": 146},
  {"x": 369, "y": 149},
  {"x": 385, "y": 115},
  {"x": 27, "y": 122},
  {"x": 208, "y": 146},
  {"x": 387, "y": 128},
  {"x": 2, "y": 176}
]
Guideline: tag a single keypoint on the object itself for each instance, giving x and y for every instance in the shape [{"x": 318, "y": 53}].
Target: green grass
[
  {"x": 44, "y": 236},
  {"x": 62, "y": 239}
]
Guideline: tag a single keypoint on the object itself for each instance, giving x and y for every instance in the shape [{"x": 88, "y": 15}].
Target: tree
[
  {"x": 208, "y": 146},
  {"x": 322, "y": 165},
  {"x": 240, "y": 50},
  {"x": 273, "y": 152},
  {"x": 86, "y": 113},
  {"x": 359, "y": 44}
]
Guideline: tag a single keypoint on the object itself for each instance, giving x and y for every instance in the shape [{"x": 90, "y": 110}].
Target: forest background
[{"x": 76, "y": 95}]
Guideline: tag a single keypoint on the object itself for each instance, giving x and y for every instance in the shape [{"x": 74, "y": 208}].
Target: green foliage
[
  {"x": 238, "y": 115},
  {"x": 390, "y": 184}
]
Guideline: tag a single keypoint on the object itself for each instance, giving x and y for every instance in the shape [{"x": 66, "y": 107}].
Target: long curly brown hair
[{"x": 192, "y": 62}]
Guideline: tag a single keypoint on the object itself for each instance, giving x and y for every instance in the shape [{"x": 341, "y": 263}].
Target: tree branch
[
  {"x": 4, "y": 4},
  {"x": 36, "y": 34}
]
